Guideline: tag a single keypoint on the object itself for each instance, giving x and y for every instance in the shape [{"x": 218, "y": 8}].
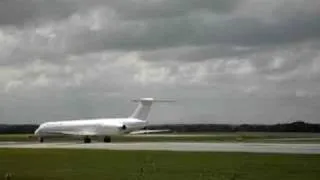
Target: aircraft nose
[{"x": 37, "y": 131}]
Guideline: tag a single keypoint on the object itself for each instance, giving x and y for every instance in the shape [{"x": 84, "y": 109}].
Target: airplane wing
[{"x": 149, "y": 131}]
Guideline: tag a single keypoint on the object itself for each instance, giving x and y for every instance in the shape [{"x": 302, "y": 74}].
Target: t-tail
[{"x": 144, "y": 107}]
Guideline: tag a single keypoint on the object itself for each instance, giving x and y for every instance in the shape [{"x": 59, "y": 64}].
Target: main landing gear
[
  {"x": 107, "y": 139},
  {"x": 87, "y": 140},
  {"x": 41, "y": 139}
]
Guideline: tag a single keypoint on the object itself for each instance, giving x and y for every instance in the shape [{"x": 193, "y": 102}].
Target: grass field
[
  {"x": 213, "y": 137},
  {"x": 28, "y": 164}
]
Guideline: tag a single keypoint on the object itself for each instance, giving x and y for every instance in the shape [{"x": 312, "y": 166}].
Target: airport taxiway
[{"x": 178, "y": 146}]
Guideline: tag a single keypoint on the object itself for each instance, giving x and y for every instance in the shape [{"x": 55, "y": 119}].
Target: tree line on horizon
[{"x": 298, "y": 126}]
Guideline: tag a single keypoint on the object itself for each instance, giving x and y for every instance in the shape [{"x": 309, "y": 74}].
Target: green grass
[
  {"x": 213, "y": 137},
  {"x": 36, "y": 164}
]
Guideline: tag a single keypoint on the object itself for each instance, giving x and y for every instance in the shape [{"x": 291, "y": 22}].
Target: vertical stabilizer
[{"x": 144, "y": 107}]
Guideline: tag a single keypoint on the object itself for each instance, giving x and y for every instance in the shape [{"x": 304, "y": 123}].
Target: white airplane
[{"x": 105, "y": 128}]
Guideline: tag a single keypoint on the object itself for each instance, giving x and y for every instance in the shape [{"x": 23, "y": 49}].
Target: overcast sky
[{"x": 224, "y": 61}]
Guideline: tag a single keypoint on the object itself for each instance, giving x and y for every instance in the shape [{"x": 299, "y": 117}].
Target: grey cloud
[
  {"x": 163, "y": 24},
  {"x": 194, "y": 31},
  {"x": 294, "y": 29},
  {"x": 291, "y": 57},
  {"x": 199, "y": 53},
  {"x": 167, "y": 36},
  {"x": 167, "y": 8},
  {"x": 21, "y": 57},
  {"x": 22, "y": 12}
]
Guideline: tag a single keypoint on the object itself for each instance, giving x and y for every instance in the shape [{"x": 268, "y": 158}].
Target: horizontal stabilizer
[{"x": 152, "y": 100}]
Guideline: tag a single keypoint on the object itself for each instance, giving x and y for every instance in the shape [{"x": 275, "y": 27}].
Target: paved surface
[
  {"x": 211, "y": 147},
  {"x": 295, "y": 139},
  {"x": 182, "y": 135}
]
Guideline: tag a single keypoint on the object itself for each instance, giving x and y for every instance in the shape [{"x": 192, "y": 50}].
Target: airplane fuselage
[{"x": 97, "y": 127}]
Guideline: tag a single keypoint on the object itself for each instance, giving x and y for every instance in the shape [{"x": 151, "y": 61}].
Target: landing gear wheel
[
  {"x": 87, "y": 140},
  {"x": 41, "y": 139},
  {"x": 107, "y": 139}
]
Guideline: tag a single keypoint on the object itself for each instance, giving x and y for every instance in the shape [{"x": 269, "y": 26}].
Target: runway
[{"x": 177, "y": 146}]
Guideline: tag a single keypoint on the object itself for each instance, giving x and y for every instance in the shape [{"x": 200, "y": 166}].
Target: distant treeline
[
  {"x": 17, "y": 128},
  {"x": 298, "y": 126}
]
